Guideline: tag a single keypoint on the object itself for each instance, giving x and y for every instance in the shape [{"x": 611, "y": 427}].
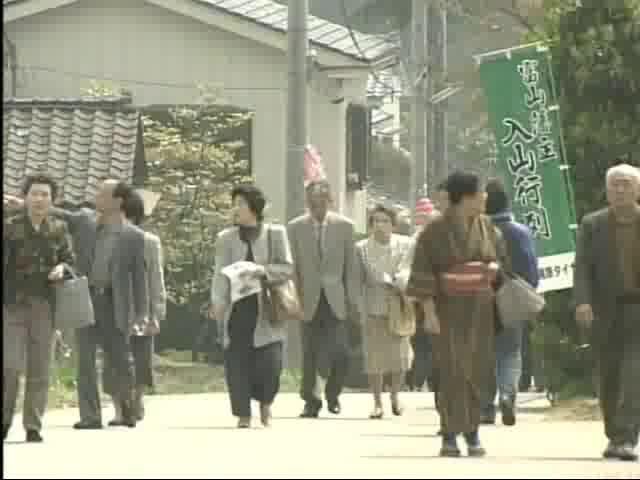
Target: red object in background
[
  {"x": 313, "y": 166},
  {"x": 424, "y": 207}
]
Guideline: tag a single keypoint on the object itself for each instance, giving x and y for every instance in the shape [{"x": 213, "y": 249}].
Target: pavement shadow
[
  {"x": 493, "y": 458},
  {"x": 330, "y": 419},
  {"x": 568, "y": 459},
  {"x": 208, "y": 427},
  {"x": 401, "y": 435}
]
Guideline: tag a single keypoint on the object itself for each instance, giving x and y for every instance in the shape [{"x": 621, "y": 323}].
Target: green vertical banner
[{"x": 525, "y": 118}]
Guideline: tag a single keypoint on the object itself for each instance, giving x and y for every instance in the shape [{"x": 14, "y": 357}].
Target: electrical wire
[{"x": 29, "y": 68}]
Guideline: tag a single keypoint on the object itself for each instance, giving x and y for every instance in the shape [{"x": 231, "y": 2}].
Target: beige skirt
[{"x": 385, "y": 352}]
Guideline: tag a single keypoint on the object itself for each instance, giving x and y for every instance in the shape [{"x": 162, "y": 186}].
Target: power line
[{"x": 29, "y": 68}]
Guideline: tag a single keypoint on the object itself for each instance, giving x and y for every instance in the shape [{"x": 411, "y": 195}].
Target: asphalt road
[{"x": 195, "y": 437}]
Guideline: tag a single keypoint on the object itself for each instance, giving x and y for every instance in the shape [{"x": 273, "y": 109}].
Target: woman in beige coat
[{"x": 384, "y": 261}]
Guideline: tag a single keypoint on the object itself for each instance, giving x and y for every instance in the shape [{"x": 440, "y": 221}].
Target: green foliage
[
  {"x": 195, "y": 172},
  {"x": 194, "y": 166},
  {"x": 596, "y": 52},
  {"x": 566, "y": 368},
  {"x": 596, "y": 55}
]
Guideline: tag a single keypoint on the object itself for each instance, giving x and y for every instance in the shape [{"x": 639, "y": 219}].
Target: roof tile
[{"x": 78, "y": 141}]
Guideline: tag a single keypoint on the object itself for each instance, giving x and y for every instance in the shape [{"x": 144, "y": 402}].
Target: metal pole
[
  {"x": 419, "y": 76},
  {"x": 296, "y": 106},
  {"x": 438, "y": 54}
]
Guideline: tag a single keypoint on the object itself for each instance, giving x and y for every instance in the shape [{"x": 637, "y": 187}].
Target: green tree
[
  {"x": 596, "y": 52},
  {"x": 194, "y": 166},
  {"x": 194, "y": 171}
]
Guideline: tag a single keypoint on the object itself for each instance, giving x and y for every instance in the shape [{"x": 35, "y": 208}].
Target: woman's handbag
[
  {"x": 469, "y": 278},
  {"x": 402, "y": 315},
  {"x": 518, "y": 302},
  {"x": 285, "y": 301}
]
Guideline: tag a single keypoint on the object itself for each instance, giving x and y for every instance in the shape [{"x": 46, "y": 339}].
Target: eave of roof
[{"x": 269, "y": 15}]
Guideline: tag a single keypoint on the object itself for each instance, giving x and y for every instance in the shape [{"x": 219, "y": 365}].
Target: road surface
[{"x": 195, "y": 437}]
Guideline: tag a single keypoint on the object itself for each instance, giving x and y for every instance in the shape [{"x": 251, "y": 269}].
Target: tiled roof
[
  {"x": 273, "y": 15},
  {"x": 78, "y": 141}
]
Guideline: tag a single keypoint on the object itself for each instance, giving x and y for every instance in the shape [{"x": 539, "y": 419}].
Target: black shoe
[
  {"x": 449, "y": 446},
  {"x": 474, "y": 447},
  {"x": 311, "y": 410},
  {"x": 334, "y": 407},
  {"x": 128, "y": 414},
  {"x": 5, "y": 432},
  {"x": 508, "y": 411},
  {"x": 88, "y": 425},
  {"x": 33, "y": 436},
  {"x": 627, "y": 452}
]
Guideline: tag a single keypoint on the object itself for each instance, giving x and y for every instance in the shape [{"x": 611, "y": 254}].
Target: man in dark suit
[
  {"x": 607, "y": 295},
  {"x": 110, "y": 252}
]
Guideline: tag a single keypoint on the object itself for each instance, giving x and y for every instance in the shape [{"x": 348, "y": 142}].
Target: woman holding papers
[{"x": 249, "y": 256}]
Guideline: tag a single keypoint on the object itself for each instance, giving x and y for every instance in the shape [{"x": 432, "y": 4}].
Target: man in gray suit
[
  {"x": 110, "y": 252},
  {"x": 607, "y": 294},
  {"x": 322, "y": 245}
]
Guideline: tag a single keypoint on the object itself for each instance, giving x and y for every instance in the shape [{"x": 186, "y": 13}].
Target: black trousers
[
  {"x": 116, "y": 347},
  {"x": 252, "y": 373},
  {"x": 422, "y": 369},
  {"x": 619, "y": 376},
  {"x": 325, "y": 352}
]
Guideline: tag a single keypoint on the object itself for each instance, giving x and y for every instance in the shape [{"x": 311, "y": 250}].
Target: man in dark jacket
[
  {"x": 524, "y": 263},
  {"x": 607, "y": 296}
]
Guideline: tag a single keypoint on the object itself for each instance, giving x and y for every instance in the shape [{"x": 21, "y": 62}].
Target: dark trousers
[
  {"x": 325, "y": 354},
  {"x": 422, "y": 369},
  {"x": 252, "y": 373},
  {"x": 508, "y": 368},
  {"x": 619, "y": 377},
  {"x": 142, "y": 351},
  {"x": 28, "y": 334},
  {"x": 116, "y": 347}
]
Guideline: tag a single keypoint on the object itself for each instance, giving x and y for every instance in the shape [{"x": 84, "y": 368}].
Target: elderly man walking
[
  {"x": 323, "y": 248},
  {"x": 607, "y": 294}
]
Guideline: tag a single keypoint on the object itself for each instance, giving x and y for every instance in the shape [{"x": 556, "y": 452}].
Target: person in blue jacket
[{"x": 509, "y": 342}]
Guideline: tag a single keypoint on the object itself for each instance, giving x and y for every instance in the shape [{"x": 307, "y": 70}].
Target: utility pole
[
  {"x": 296, "y": 106},
  {"x": 437, "y": 53},
  {"x": 419, "y": 77}
]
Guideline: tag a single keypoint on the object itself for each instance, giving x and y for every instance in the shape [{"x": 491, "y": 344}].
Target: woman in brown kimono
[{"x": 458, "y": 298}]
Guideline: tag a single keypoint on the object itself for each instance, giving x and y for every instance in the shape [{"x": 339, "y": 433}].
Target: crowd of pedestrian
[{"x": 426, "y": 304}]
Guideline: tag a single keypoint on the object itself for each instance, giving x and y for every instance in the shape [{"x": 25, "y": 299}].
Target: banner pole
[{"x": 563, "y": 150}]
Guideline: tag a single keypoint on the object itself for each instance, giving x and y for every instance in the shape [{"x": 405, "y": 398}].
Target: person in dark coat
[{"x": 607, "y": 295}]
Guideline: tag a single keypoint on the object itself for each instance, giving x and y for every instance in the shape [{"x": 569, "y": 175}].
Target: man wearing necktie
[{"x": 326, "y": 282}]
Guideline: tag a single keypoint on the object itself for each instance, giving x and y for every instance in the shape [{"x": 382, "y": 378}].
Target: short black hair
[
  {"x": 253, "y": 196},
  {"x": 40, "y": 179},
  {"x": 123, "y": 191},
  {"x": 462, "y": 184},
  {"x": 497, "y": 198},
  {"x": 134, "y": 208},
  {"x": 388, "y": 211}
]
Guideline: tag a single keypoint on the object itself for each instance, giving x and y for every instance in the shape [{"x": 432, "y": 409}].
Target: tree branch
[{"x": 521, "y": 19}]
